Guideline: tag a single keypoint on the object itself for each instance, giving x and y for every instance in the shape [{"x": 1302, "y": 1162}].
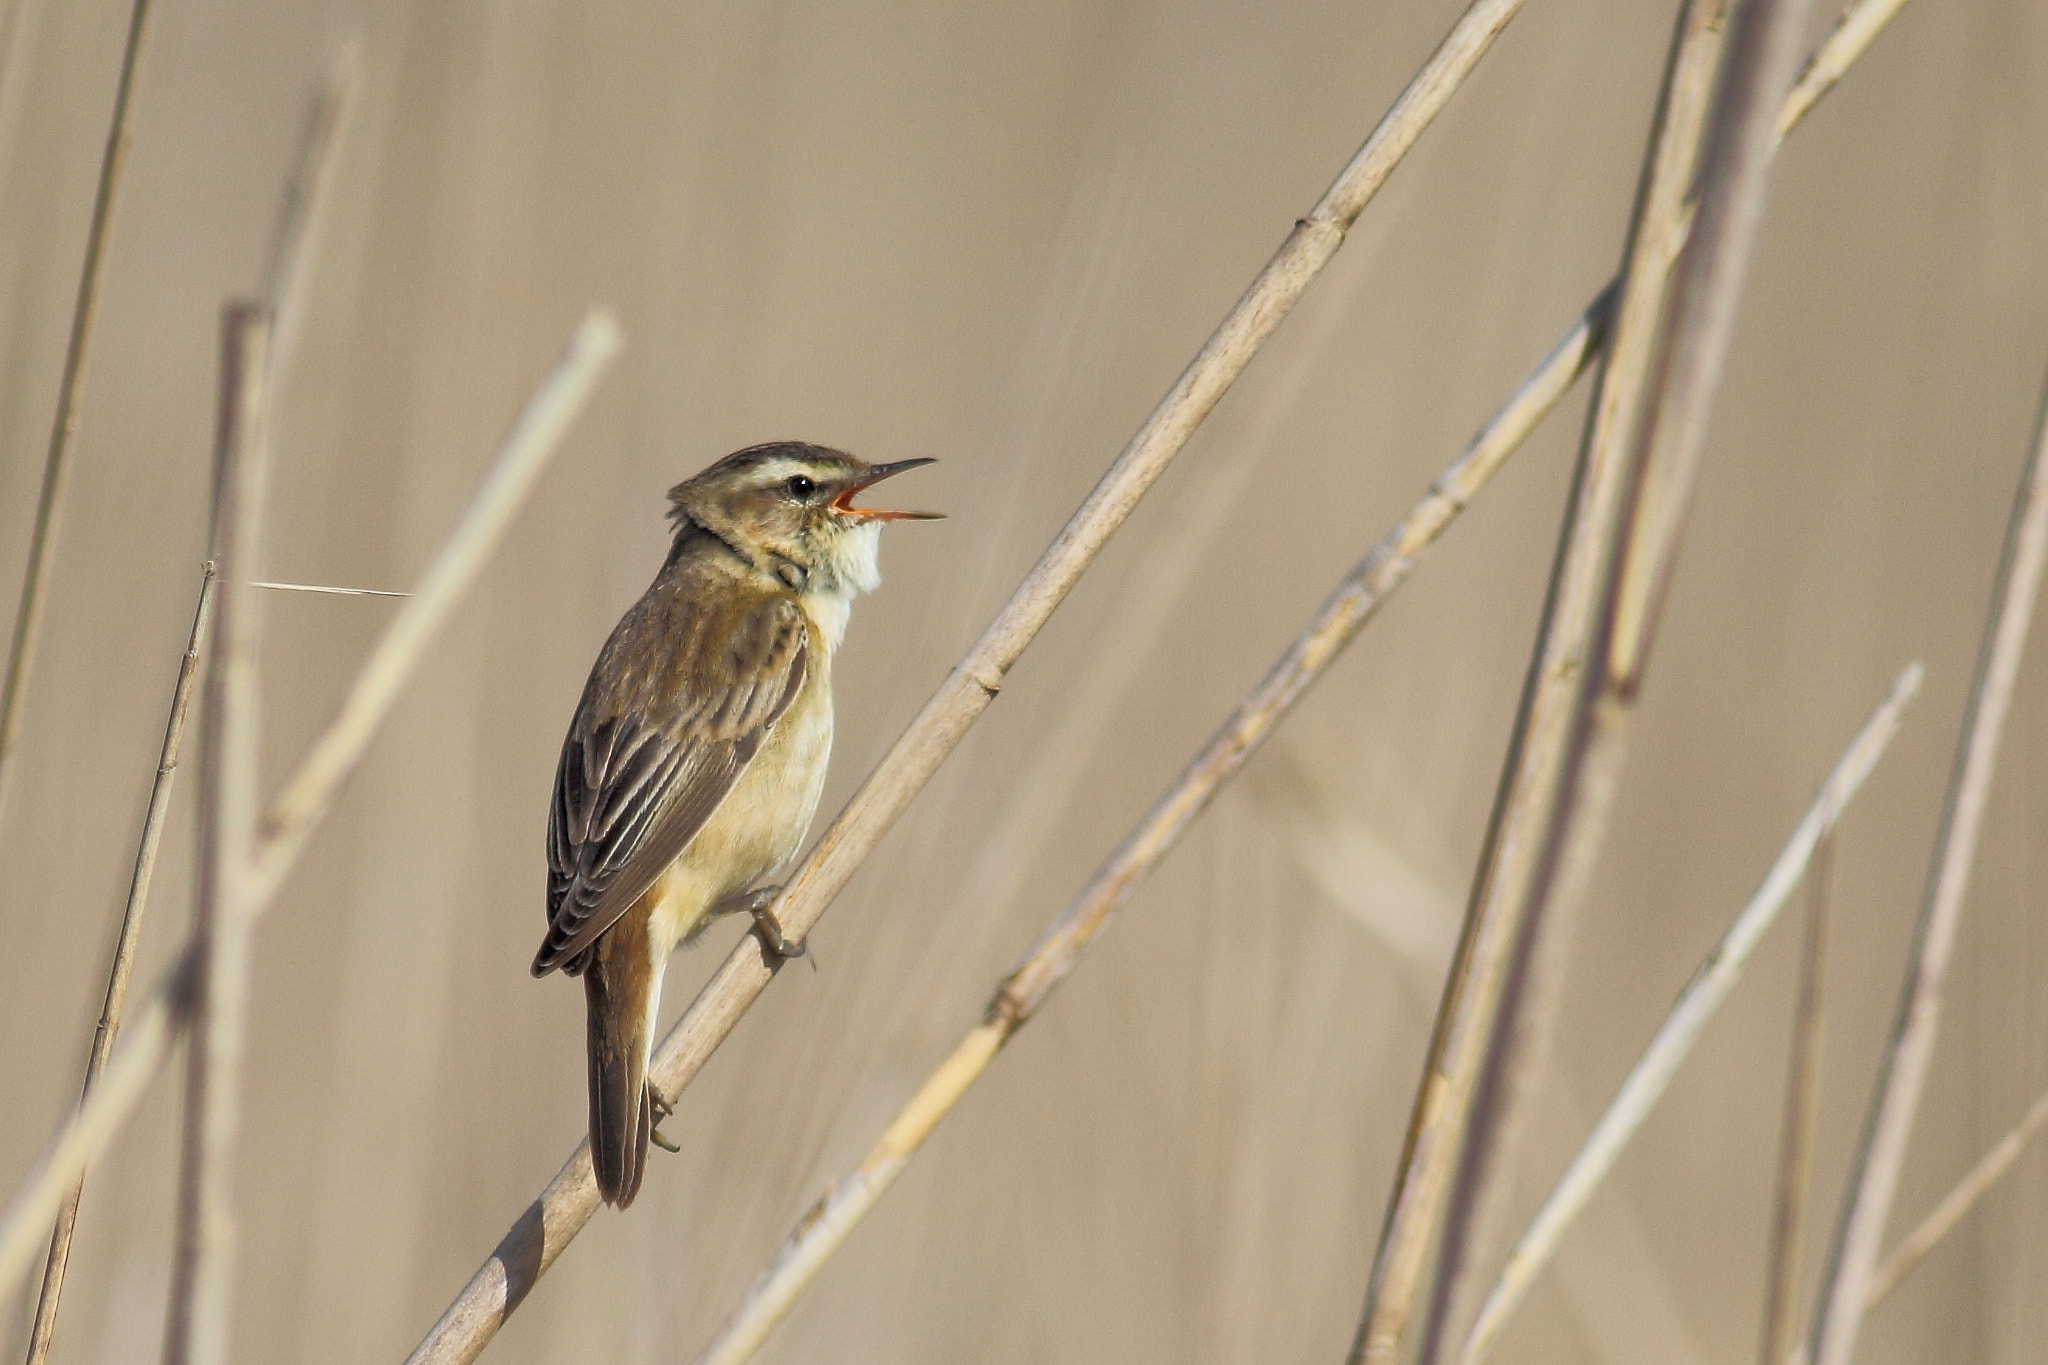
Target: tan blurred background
[{"x": 994, "y": 234}]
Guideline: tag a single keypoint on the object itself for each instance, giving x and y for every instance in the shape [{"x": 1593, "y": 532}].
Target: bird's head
[{"x": 787, "y": 508}]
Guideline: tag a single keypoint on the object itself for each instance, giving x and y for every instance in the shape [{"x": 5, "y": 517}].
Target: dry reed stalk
[
  {"x": 42, "y": 545},
  {"x": 1442, "y": 1103},
  {"x": 202, "y": 1274},
  {"x": 1882, "y": 1153},
  {"x": 1702, "y": 997},
  {"x": 297, "y": 217},
  {"x": 1802, "y": 1112},
  {"x": 45, "y": 1323},
  {"x": 320, "y": 775},
  {"x": 1855, "y": 30},
  {"x": 530, "y": 1247},
  {"x": 1354, "y": 602},
  {"x": 1628, "y": 564}
]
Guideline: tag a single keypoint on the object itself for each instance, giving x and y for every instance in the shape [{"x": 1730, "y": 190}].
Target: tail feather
[{"x": 617, "y": 986}]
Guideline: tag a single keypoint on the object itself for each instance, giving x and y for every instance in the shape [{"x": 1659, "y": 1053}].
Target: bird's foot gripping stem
[
  {"x": 766, "y": 926},
  {"x": 662, "y": 1109}
]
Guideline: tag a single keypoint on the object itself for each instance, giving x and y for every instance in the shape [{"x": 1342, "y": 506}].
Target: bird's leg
[
  {"x": 662, "y": 1109},
  {"x": 756, "y": 903}
]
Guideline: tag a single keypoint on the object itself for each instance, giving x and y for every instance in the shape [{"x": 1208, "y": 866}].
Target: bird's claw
[
  {"x": 662, "y": 1109},
  {"x": 757, "y": 903},
  {"x": 770, "y": 931}
]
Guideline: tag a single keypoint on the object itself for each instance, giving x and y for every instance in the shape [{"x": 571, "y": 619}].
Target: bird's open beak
[{"x": 843, "y": 504}]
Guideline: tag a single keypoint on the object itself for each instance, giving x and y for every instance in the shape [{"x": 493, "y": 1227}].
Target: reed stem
[
  {"x": 202, "y": 1273},
  {"x": 42, "y": 545}
]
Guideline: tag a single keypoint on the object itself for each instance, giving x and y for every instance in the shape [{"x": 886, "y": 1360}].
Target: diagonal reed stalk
[
  {"x": 1802, "y": 1115},
  {"x": 1354, "y": 602},
  {"x": 1627, "y": 556},
  {"x": 282, "y": 294},
  {"x": 1703, "y": 996},
  {"x": 1874, "y": 1177},
  {"x": 202, "y": 1275},
  {"x": 316, "y": 782},
  {"x": 44, "y": 1325},
  {"x": 530, "y": 1247},
  {"x": 42, "y": 545}
]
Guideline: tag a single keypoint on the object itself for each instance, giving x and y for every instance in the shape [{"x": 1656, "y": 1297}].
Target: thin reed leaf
[{"x": 339, "y": 592}]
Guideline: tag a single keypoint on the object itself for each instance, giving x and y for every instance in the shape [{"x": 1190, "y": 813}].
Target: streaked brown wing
[{"x": 676, "y": 706}]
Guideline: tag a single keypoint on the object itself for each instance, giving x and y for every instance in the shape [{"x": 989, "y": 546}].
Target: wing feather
[{"x": 678, "y": 703}]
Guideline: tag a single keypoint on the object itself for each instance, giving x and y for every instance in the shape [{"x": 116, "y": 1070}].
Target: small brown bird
[{"x": 698, "y": 751}]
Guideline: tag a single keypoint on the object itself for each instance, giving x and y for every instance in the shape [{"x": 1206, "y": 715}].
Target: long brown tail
[{"x": 616, "y": 985}]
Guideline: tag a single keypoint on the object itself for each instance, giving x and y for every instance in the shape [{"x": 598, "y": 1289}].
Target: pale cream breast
[{"x": 761, "y": 823}]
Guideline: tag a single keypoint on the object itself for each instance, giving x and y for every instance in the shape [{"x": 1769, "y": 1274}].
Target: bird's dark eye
[{"x": 800, "y": 487}]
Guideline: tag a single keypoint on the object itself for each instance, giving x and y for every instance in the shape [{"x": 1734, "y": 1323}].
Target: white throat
[{"x": 853, "y": 566}]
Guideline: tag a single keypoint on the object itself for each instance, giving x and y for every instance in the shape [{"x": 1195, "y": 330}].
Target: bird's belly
[{"x": 759, "y": 826}]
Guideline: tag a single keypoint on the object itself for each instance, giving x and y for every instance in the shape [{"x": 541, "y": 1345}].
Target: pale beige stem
[
  {"x": 1857, "y": 28},
  {"x": 45, "y": 1324},
  {"x": 1802, "y": 1114},
  {"x": 1697, "y": 1004},
  {"x": 822, "y": 1231},
  {"x": 520, "y": 459},
  {"x": 42, "y": 545},
  {"x": 202, "y": 1274},
  {"x": 1882, "y": 1154},
  {"x": 1354, "y": 602},
  {"x": 524, "y": 1254}
]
